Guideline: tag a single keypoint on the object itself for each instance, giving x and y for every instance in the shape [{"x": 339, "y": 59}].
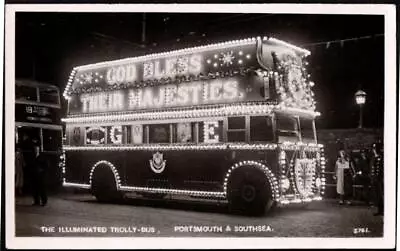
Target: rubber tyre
[
  {"x": 249, "y": 192},
  {"x": 104, "y": 187}
]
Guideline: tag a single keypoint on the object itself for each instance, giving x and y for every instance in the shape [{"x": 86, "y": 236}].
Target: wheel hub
[{"x": 248, "y": 193}]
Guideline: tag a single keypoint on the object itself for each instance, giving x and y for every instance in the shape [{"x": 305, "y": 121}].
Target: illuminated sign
[
  {"x": 121, "y": 74},
  {"x": 216, "y": 91},
  {"x": 165, "y": 66},
  {"x": 116, "y": 134},
  {"x": 36, "y": 114},
  {"x": 137, "y": 134},
  {"x": 170, "y": 67},
  {"x": 95, "y": 135},
  {"x": 210, "y": 132},
  {"x": 184, "y": 132}
]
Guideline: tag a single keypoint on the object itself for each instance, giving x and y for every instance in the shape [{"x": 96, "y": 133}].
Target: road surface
[{"x": 81, "y": 215}]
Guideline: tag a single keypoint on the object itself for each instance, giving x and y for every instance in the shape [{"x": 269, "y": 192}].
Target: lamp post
[{"x": 360, "y": 97}]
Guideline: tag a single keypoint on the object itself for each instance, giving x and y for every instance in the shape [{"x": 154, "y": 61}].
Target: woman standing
[{"x": 344, "y": 172}]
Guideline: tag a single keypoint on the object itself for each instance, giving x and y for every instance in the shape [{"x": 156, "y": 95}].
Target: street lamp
[{"x": 360, "y": 96}]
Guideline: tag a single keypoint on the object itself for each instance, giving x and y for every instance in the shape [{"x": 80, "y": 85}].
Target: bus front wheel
[
  {"x": 249, "y": 192},
  {"x": 104, "y": 187}
]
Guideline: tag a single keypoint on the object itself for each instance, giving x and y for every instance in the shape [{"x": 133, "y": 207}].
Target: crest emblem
[{"x": 157, "y": 164}]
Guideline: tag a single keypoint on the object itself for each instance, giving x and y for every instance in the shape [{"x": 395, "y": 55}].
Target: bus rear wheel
[
  {"x": 249, "y": 192},
  {"x": 104, "y": 187}
]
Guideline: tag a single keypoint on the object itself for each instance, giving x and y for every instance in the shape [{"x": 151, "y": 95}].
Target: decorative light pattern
[
  {"x": 222, "y": 110},
  {"x": 89, "y": 78},
  {"x": 210, "y": 194},
  {"x": 174, "y": 147},
  {"x": 293, "y": 146},
  {"x": 323, "y": 164},
  {"x": 283, "y": 175},
  {"x": 305, "y": 171},
  {"x": 116, "y": 134},
  {"x": 113, "y": 169},
  {"x": 77, "y": 185},
  {"x": 206, "y": 194},
  {"x": 293, "y": 85},
  {"x": 100, "y": 139},
  {"x": 292, "y": 177},
  {"x": 67, "y": 90},
  {"x": 120, "y": 74},
  {"x": 227, "y": 58},
  {"x": 271, "y": 177},
  {"x": 286, "y": 199},
  {"x": 293, "y": 74},
  {"x": 301, "y": 50},
  {"x": 177, "y": 54},
  {"x": 315, "y": 185},
  {"x": 62, "y": 164},
  {"x": 210, "y": 134}
]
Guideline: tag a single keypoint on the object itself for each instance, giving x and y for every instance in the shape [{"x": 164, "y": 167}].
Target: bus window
[
  {"x": 23, "y": 92},
  {"x": 28, "y": 135},
  {"x": 159, "y": 133},
  {"x": 307, "y": 130},
  {"x": 48, "y": 95},
  {"x": 51, "y": 140},
  {"x": 261, "y": 128},
  {"x": 183, "y": 133},
  {"x": 287, "y": 127},
  {"x": 236, "y": 129}
]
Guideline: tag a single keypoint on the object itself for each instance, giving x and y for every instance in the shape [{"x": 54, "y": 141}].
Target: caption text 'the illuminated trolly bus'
[{"x": 231, "y": 121}]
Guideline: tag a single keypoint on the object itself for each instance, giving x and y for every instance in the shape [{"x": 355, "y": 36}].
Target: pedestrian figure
[
  {"x": 39, "y": 170},
  {"x": 377, "y": 176},
  {"x": 362, "y": 169},
  {"x": 19, "y": 173},
  {"x": 26, "y": 146},
  {"x": 344, "y": 172}
]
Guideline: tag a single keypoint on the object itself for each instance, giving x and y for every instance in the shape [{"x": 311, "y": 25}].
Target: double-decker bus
[
  {"x": 231, "y": 121},
  {"x": 37, "y": 121}
]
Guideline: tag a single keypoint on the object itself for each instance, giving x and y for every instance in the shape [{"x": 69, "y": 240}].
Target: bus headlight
[{"x": 285, "y": 183}]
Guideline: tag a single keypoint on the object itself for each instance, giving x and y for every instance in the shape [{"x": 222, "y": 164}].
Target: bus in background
[
  {"x": 37, "y": 120},
  {"x": 231, "y": 121}
]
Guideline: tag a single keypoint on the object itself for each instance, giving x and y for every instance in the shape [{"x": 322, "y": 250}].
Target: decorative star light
[
  {"x": 227, "y": 58},
  {"x": 88, "y": 77}
]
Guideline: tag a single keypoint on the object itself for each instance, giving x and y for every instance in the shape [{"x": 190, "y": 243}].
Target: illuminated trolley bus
[{"x": 231, "y": 121}]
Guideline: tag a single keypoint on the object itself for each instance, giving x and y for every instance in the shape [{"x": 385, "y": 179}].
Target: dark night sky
[{"x": 49, "y": 45}]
